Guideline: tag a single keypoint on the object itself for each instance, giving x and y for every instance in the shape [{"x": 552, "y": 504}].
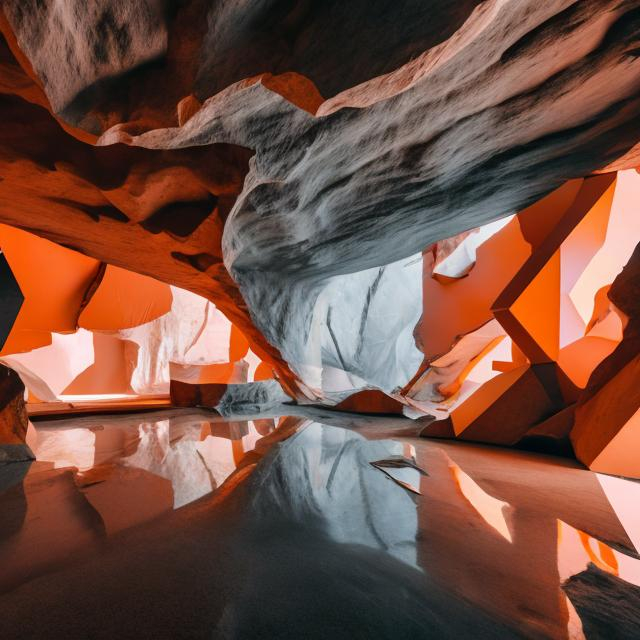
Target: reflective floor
[{"x": 178, "y": 524}]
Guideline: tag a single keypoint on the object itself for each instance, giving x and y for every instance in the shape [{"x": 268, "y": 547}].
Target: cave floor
[{"x": 181, "y": 524}]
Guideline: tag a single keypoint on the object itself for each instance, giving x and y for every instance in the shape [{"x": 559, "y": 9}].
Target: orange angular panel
[
  {"x": 576, "y": 252},
  {"x": 580, "y": 358},
  {"x": 535, "y": 304},
  {"x": 460, "y": 306},
  {"x": 109, "y": 372},
  {"x": 263, "y": 372},
  {"x": 534, "y": 318},
  {"x": 124, "y": 299},
  {"x": 606, "y": 434},
  {"x": 238, "y": 345},
  {"x": 505, "y": 408},
  {"x": 620, "y": 456},
  {"x": 483, "y": 399},
  {"x": 530, "y": 305},
  {"x": 53, "y": 280}
]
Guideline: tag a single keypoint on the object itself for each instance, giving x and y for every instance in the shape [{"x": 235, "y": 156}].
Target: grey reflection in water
[
  {"x": 325, "y": 547},
  {"x": 177, "y": 461},
  {"x": 323, "y": 473}
]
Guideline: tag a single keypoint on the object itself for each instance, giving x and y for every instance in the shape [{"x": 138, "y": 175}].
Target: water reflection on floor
[
  {"x": 182, "y": 524},
  {"x": 194, "y": 453}
]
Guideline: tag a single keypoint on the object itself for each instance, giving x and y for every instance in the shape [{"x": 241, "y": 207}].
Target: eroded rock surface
[
  {"x": 304, "y": 219},
  {"x": 13, "y": 418},
  {"x": 230, "y": 399},
  {"x": 604, "y": 602}
]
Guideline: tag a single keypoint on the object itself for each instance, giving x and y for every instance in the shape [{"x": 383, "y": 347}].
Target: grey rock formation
[
  {"x": 250, "y": 398},
  {"x": 607, "y": 605},
  {"x": 522, "y": 98},
  {"x": 326, "y": 472},
  {"x": 15, "y": 453}
]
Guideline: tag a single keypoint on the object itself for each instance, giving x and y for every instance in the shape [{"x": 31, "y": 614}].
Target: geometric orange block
[
  {"x": 123, "y": 299},
  {"x": 530, "y": 305},
  {"x": 537, "y": 314},
  {"x": 238, "y": 345},
  {"x": 53, "y": 280},
  {"x": 503, "y": 409},
  {"x": 461, "y": 306},
  {"x": 606, "y": 433}
]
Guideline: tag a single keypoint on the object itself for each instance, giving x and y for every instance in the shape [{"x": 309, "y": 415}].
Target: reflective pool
[{"x": 182, "y": 524}]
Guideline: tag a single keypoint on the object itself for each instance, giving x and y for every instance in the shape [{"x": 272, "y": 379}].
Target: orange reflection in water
[
  {"x": 101, "y": 475},
  {"x": 576, "y": 549},
  {"x": 193, "y": 455},
  {"x": 489, "y": 508}
]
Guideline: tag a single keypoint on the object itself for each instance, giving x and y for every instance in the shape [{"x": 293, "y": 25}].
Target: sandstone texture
[
  {"x": 13, "y": 418},
  {"x": 403, "y": 204}
]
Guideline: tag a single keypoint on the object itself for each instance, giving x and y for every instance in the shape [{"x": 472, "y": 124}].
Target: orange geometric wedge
[{"x": 529, "y": 307}]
